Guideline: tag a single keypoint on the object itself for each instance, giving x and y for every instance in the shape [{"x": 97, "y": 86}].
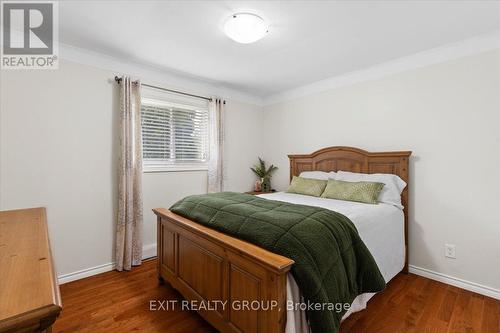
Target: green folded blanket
[{"x": 332, "y": 264}]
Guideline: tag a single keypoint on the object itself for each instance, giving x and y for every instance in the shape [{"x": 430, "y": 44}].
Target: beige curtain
[
  {"x": 216, "y": 165},
  {"x": 129, "y": 227}
]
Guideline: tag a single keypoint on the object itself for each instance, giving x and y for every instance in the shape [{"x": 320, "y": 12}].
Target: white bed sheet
[{"x": 381, "y": 227}]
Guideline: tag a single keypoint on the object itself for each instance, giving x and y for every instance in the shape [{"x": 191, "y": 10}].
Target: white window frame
[{"x": 152, "y": 165}]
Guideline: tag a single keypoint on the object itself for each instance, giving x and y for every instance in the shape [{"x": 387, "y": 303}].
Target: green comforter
[{"x": 332, "y": 264}]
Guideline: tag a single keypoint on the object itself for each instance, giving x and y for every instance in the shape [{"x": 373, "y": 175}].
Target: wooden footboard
[{"x": 242, "y": 285}]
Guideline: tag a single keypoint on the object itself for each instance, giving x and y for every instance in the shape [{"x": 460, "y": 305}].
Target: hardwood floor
[{"x": 120, "y": 302}]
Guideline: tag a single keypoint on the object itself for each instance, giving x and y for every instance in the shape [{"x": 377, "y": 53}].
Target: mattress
[{"x": 381, "y": 227}]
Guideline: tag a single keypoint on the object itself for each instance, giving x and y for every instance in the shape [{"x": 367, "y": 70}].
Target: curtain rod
[{"x": 119, "y": 80}]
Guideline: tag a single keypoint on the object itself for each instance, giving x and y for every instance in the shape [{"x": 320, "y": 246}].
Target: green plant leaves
[{"x": 261, "y": 171}]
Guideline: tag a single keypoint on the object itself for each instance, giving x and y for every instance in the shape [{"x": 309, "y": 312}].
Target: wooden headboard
[{"x": 357, "y": 160}]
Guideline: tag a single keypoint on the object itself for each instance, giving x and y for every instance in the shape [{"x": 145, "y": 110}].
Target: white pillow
[
  {"x": 316, "y": 175},
  {"x": 390, "y": 194}
]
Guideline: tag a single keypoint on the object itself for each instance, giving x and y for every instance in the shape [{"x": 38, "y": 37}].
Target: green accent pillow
[
  {"x": 366, "y": 192},
  {"x": 307, "y": 186}
]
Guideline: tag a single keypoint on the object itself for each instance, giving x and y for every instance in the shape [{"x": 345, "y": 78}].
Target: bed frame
[{"x": 205, "y": 265}]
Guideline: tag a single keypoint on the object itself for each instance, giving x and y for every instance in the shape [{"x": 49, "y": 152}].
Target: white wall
[
  {"x": 448, "y": 115},
  {"x": 58, "y": 144},
  {"x": 58, "y": 149}
]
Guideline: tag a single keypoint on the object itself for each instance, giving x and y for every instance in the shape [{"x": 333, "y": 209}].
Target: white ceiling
[{"x": 308, "y": 41}]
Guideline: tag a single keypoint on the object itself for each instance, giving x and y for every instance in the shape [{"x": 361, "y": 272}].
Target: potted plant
[{"x": 264, "y": 174}]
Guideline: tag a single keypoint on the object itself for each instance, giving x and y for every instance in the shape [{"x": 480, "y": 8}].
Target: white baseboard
[
  {"x": 460, "y": 283},
  {"x": 148, "y": 251},
  {"x": 65, "y": 278}
]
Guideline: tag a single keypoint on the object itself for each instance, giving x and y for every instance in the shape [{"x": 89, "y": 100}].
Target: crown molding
[
  {"x": 447, "y": 52},
  {"x": 196, "y": 85},
  {"x": 154, "y": 74}
]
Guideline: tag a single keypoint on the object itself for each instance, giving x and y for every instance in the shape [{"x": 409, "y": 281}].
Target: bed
[
  {"x": 205, "y": 265},
  {"x": 381, "y": 228}
]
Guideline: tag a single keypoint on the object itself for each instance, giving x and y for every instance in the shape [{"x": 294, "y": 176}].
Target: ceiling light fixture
[{"x": 245, "y": 28}]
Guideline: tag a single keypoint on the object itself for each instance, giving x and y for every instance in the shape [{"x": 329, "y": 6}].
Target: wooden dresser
[{"x": 29, "y": 294}]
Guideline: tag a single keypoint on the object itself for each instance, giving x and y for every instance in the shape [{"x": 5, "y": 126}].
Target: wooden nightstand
[{"x": 257, "y": 193}]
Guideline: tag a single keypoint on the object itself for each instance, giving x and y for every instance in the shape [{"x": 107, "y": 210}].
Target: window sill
[{"x": 176, "y": 168}]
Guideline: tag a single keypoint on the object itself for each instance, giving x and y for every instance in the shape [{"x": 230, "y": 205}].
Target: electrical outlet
[{"x": 449, "y": 251}]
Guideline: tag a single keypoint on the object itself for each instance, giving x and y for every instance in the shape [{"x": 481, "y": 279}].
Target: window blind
[{"x": 173, "y": 135}]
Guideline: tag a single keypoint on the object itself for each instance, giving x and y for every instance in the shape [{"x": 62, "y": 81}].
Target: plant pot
[{"x": 266, "y": 185}]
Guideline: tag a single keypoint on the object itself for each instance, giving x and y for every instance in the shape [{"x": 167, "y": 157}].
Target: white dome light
[{"x": 245, "y": 28}]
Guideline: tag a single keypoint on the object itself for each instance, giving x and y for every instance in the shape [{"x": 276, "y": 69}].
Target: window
[{"x": 174, "y": 136}]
